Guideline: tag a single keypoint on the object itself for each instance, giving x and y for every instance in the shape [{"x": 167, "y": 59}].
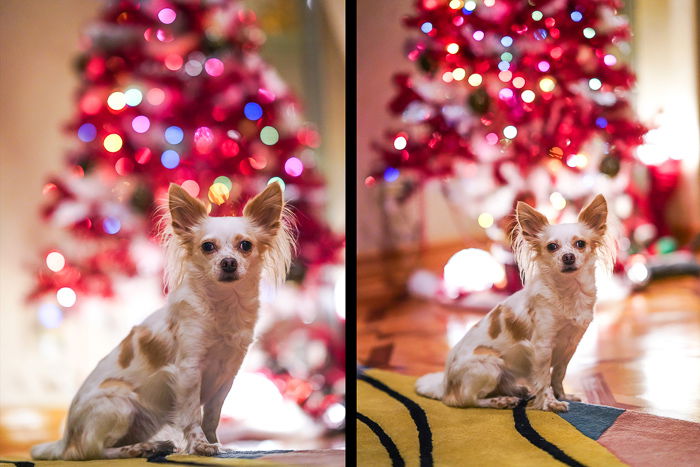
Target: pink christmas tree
[{"x": 518, "y": 100}]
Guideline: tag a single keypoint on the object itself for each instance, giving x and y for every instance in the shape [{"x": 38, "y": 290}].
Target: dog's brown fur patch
[
  {"x": 519, "y": 328},
  {"x": 453, "y": 384},
  {"x": 126, "y": 350},
  {"x": 155, "y": 350},
  {"x": 486, "y": 350},
  {"x": 495, "y": 322},
  {"x": 116, "y": 383}
]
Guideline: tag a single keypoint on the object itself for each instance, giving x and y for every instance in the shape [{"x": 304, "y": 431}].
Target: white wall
[
  {"x": 666, "y": 63},
  {"x": 380, "y": 54},
  {"x": 38, "y": 42}
]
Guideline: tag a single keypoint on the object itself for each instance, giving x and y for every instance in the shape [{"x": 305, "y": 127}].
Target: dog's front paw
[
  {"x": 557, "y": 406},
  {"x": 504, "y": 402},
  {"x": 202, "y": 448}
]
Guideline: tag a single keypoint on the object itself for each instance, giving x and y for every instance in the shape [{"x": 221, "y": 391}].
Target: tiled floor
[{"x": 642, "y": 353}]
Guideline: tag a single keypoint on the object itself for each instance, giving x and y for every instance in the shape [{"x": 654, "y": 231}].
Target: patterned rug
[
  {"x": 326, "y": 457},
  {"x": 397, "y": 427}
]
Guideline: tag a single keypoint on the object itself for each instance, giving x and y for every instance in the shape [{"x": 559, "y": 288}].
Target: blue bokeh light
[
  {"x": 503, "y": 66},
  {"x": 50, "y": 315},
  {"x": 170, "y": 159},
  {"x": 174, "y": 135},
  {"x": 426, "y": 27},
  {"x": 576, "y": 16},
  {"x": 111, "y": 225},
  {"x": 391, "y": 174},
  {"x": 506, "y": 41},
  {"x": 87, "y": 132},
  {"x": 601, "y": 122},
  {"x": 252, "y": 111},
  {"x": 540, "y": 34}
]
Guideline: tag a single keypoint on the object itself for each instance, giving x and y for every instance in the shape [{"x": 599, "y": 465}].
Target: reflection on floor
[{"x": 642, "y": 353}]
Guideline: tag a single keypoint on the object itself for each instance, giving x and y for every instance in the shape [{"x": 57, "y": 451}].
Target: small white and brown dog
[
  {"x": 176, "y": 368},
  {"x": 522, "y": 347}
]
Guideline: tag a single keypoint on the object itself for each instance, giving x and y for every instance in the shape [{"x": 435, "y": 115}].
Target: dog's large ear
[
  {"x": 595, "y": 215},
  {"x": 185, "y": 211},
  {"x": 265, "y": 210},
  {"x": 531, "y": 221}
]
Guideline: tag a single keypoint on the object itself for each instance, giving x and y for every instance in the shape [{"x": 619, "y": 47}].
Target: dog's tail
[
  {"x": 431, "y": 385},
  {"x": 48, "y": 451}
]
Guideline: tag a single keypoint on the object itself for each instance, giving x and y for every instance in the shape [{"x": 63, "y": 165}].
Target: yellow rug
[
  {"x": 171, "y": 460},
  {"x": 398, "y": 427},
  {"x": 321, "y": 458}
]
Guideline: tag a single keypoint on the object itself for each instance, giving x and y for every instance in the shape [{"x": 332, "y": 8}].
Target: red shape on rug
[{"x": 641, "y": 439}]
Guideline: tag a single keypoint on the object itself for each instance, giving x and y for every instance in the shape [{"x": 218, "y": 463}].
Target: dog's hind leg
[
  {"x": 472, "y": 382},
  {"x": 96, "y": 424},
  {"x": 145, "y": 449},
  {"x": 110, "y": 417}
]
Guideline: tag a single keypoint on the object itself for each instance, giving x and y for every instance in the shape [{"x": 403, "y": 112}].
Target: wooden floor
[{"x": 642, "y": 353}]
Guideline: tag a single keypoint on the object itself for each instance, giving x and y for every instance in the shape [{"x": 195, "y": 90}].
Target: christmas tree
[
  {"x": 175, "y": 92},
  {"x": 522, "y": 100}
]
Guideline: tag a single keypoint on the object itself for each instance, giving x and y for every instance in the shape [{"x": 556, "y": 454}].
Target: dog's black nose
[
  {"x": 568, "y": 259},
  {"x": 229, "y": 265}
]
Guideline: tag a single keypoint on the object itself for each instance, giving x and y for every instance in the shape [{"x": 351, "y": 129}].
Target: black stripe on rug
[
  {"x": 522, "y": 425},
  {"x": 387, "y": 442},
  {"x": 425, "y": 436},
  {"x": 18, "y": 463}
]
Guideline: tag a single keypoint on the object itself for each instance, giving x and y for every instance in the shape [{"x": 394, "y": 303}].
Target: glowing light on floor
[
  {"x": 638, "y": 272},
  {"x": 257, "y": 403},
  {"x": 471, "y": 270}
]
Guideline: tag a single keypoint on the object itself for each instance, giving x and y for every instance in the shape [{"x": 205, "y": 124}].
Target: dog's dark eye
[
  {"x": 208, "y": 247},
  {"x": 552, "y": 246},
  {"x": 580, "y": 244},
  {"x": 246, "y": 245}
]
